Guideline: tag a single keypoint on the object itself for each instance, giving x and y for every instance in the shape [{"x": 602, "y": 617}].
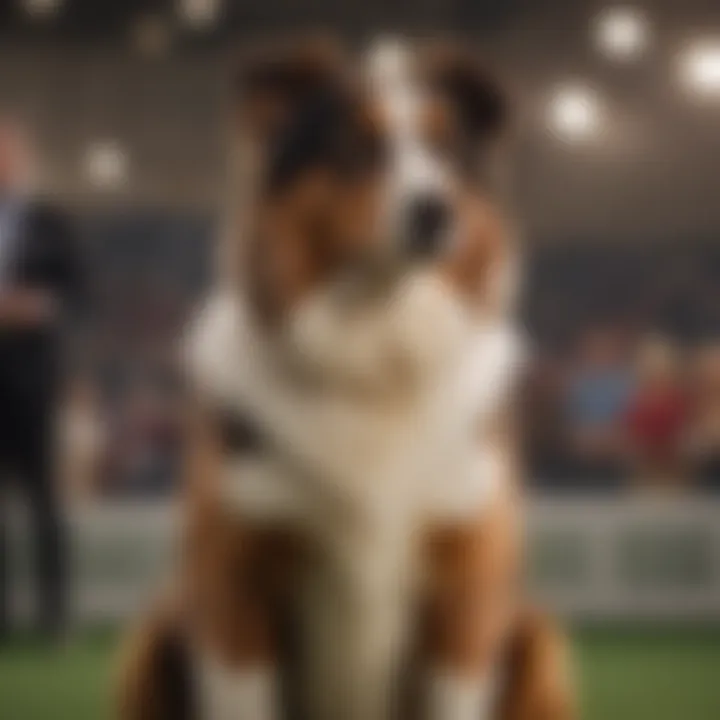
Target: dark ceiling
[{"x": 94, "y": 20}]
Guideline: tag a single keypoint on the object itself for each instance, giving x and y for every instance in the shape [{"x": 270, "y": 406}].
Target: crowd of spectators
[
  {"x": 618, "y": 411},
  {"x": 622, "y": 390},
  {"x": 124, "y": 420}
]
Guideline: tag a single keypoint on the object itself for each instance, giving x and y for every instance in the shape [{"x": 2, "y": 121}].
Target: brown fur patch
[
  {"x": 539, "y": 673},
  {"x": 474, "y": 586},
  {"x": 154, "y": 680},
  {"x": 273, "y": 77},
  {"x": 322, "y": 223},
  {"x": 482, "y": 245},
  {"x": 235, "y": 575}
]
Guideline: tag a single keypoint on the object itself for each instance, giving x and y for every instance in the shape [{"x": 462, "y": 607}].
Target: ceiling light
[
  {"x": 106, "y": 164},
  {"x": 622, "y": 33},
  {"x": 575, "y": 113},
  {"x": 699, "y": 66}
]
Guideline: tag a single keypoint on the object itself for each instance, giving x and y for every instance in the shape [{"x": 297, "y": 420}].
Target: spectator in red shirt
[{"x": 657, "y": 415}]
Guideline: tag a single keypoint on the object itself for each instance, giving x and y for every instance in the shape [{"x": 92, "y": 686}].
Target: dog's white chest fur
[{"x": 364, "y": 465}]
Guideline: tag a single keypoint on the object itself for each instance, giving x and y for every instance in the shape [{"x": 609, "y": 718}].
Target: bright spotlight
[
  {"x": 700, "y": 68},
  {"x": 622, "y": 33},
  {"x": 42, "y": 9},
  {"x": 200, "y": 14},
  {"x": 575, "y": 113},
  {"x": 106, "y": 164}
]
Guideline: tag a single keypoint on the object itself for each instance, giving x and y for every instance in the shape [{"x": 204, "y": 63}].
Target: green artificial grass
[
  {"x": 623, "y": 675},
  {"x": 644, "y": 675},
  {"x": 67, "y": 682}
]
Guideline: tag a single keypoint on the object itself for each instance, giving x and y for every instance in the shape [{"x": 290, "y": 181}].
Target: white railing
[{"x": 587, "y": 558}]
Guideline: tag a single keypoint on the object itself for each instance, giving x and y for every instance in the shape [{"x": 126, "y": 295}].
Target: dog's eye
[{"x": 360, "y": 155}]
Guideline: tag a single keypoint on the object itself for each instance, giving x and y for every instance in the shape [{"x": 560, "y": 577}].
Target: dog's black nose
[{"x": 427, "y": 220}]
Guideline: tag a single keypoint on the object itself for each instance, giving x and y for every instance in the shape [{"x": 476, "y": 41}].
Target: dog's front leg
[
  {"x": 233, "y": 623},
  {"x": 231, "y": 570},
  {"x": 472, "y": 606}
]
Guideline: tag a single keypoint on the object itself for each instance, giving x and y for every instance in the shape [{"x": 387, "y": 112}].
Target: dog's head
[{"x": 366, "y": 172}]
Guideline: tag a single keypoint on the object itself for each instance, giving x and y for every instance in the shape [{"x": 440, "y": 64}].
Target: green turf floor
[{"x": 623, "y": 676}]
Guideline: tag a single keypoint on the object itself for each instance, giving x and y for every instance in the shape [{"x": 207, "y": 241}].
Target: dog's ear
[
  {"x": 458, "y": 75},
  {"x": 275, "y": 81}
]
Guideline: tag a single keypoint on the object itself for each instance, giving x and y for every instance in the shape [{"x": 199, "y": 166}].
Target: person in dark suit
[{"x": 40, "y": 283}]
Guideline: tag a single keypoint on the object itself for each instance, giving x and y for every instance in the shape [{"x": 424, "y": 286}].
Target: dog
[{"x": 352, "y": 503}]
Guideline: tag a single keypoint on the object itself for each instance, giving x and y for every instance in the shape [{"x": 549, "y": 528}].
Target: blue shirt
[{"x": 599, "y": 398}]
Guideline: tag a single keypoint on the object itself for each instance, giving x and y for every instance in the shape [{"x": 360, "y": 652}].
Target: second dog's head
[{"x": 365, "y": 173}]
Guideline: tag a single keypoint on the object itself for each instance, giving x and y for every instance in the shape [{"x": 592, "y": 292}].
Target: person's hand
[{"x": 24, "y": 307}]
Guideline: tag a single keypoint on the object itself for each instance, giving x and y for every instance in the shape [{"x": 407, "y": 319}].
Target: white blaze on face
[{"x": 414, "y": 171}]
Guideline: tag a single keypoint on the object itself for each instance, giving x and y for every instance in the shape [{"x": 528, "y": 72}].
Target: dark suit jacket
[{"x": 46, "y": 255}]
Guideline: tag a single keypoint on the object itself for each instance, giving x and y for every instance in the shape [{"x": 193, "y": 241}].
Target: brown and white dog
[{"x": 352, "y": 463}]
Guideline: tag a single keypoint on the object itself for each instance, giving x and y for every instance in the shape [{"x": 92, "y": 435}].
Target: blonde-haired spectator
[{"x": 657, "y": 415}]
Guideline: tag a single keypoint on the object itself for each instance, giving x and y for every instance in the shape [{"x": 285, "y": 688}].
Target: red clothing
[{"x": 656, "y": 420}]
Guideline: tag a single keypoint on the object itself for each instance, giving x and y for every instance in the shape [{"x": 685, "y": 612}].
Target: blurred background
[{"x": 616, "y": 184}]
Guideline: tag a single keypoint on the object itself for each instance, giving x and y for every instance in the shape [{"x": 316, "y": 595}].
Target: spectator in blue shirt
[{"x": 597, "y": 397}]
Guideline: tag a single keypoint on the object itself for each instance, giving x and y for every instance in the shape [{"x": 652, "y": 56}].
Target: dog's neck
[
  {"x": 391, "y": 344},
  {"x": 457, "y": 375}
]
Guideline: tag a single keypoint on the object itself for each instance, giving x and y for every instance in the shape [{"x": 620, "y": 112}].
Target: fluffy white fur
[
  {"x": 364, "y": 471},
  {"x": 454, "y": 697},
  {"x": 232, "y": 694}
]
